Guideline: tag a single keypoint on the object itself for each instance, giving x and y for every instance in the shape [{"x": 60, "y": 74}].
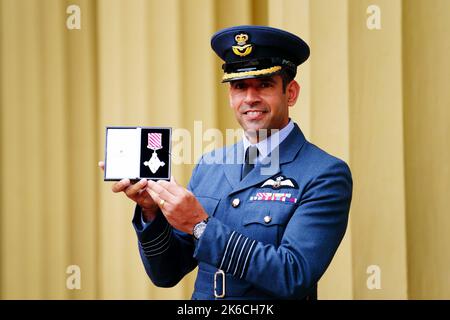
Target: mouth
[
  {"x": 254, "y": 115},
  {"x": 253, "y": 112}
]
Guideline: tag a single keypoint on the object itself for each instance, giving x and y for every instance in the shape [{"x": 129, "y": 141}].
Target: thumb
[{"x": 172, "y": 179}]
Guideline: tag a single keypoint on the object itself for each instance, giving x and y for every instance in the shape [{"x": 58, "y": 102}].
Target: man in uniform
[{"x": 253, "y": 234}]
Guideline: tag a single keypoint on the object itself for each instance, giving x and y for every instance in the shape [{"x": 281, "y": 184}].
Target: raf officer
[{"x": 253, "y": 235}]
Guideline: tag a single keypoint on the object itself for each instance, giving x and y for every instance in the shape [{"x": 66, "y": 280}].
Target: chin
[{"x": 254, "y": 126}]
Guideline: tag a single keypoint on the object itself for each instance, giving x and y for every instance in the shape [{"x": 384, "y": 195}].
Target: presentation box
[{"x": 137, "y": 152}]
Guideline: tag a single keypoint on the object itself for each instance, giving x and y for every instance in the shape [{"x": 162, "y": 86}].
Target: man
[{"x": 252, "y": 235}]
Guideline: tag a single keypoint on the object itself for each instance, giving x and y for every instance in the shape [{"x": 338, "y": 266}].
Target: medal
[
  {"x": 269, "y": 196},
  {"x": 154, "y": 143}
]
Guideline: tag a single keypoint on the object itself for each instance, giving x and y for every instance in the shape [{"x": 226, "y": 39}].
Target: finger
[
  {"x": 171, "y": 187},
  {"x": 153, "y": 195},
  {"x": 162, "y": 192},
  {"x": 133, "y": 190},
  {"x": 174, "y": 182},
  {"x": 157, "y": 199},
  {"x": 121, "y": 185},
  {"x": 101, "y": 164}
]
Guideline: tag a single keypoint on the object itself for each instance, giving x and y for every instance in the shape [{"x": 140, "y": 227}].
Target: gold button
[
  {"x": 235, "y": 202},
  {"x": 267, "y": 219}
]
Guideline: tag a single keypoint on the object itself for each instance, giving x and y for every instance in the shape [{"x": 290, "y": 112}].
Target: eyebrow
[{"x": 267, "y": 79}]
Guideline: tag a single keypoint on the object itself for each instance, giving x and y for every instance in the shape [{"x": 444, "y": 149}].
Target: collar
[
  {"x": 266, "y": 146},
  {"x": 290, "y": 148}
]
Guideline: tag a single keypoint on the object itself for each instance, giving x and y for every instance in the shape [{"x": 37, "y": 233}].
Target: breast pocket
[
  {"x": 209, "y": 204},
  {"x": 266, "y": 222}
]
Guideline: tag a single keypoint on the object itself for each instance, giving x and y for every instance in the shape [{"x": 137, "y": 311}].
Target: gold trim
[
  {"x": 228, "y": 76},
  {"x": 242, "y": 51}
]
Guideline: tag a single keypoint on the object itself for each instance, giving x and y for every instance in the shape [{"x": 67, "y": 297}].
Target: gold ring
[{"x": 161, "y": 203}]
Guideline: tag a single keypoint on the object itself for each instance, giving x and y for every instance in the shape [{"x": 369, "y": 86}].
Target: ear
[{"x": 292, "y": 92}]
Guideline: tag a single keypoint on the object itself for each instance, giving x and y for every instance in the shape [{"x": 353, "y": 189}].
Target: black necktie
[{"x": 250, "y": 158}]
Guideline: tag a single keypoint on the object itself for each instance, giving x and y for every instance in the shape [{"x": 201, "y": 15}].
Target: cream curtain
[{"x": 377, "y": 98}]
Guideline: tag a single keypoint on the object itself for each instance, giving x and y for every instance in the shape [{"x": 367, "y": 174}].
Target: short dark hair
[{"x": 286, "y": 77}]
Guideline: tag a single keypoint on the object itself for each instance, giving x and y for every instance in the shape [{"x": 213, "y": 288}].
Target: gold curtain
[{"x": 376, "y": 98}]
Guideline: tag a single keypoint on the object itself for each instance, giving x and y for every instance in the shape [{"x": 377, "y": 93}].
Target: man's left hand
[{"x": 180, "y": 207}]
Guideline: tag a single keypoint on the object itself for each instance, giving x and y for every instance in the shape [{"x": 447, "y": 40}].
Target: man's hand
[
  {"x": 136, "y": 192},
  {"x": 180, "y": 207}
]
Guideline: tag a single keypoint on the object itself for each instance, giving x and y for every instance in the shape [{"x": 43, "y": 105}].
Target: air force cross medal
[{"x": 154, "y": 143}]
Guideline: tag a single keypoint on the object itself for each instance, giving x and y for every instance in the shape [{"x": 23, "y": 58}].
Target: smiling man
[
  {"x": 262, "y": 104},
  {"x": 252, "y": 235}
]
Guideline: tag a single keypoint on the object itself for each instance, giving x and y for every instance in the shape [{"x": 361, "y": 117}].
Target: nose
[{"x": 252, "y": 96}]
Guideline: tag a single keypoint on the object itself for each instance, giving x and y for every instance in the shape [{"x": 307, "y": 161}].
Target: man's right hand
[{"x": 136, "y": 192}]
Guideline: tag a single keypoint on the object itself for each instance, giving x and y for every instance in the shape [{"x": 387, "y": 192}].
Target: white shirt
[{"x": 266, "y": 146}]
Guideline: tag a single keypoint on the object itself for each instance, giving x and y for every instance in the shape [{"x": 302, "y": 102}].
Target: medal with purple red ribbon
[{"x": 154, "y": 143}]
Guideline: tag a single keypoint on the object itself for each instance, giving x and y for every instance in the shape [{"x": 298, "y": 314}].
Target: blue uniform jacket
[{"x": 270, "y": 242}]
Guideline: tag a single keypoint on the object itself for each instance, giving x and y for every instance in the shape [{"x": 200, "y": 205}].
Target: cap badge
[{"x": 242, "y": 49}]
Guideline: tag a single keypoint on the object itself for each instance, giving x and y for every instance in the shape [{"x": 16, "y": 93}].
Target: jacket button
[
  {"x": 235, "y": 202},
  {"x": 267, "y": 219}
]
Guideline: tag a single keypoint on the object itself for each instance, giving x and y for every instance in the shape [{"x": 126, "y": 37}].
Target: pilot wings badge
[{"x": 280, "y": 182}]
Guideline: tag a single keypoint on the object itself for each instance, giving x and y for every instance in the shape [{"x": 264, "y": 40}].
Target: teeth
[{"x": 254, "y": 113}]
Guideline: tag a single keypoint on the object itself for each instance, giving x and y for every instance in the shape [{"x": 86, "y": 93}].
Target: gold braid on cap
[{"x": 228, "y": 76}]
